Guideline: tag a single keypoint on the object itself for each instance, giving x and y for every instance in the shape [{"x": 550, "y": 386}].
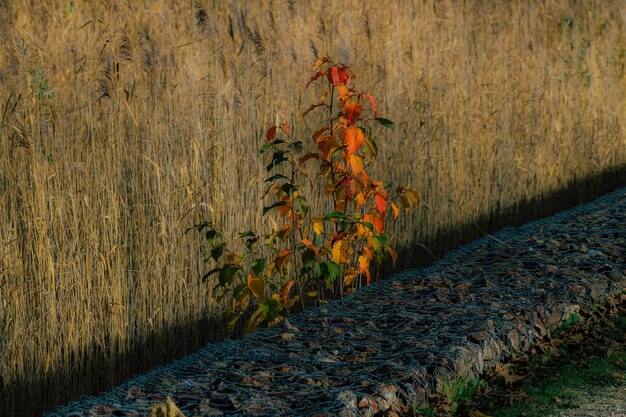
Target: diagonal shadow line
[{"x": 94, "y": 370}]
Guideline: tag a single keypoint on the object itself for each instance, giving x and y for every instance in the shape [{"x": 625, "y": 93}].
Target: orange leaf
[
  {"x": 284, "y": 293},
  {"x": 354, "y": 139},
  {"x": 360, "y": 200},
  {"x": 257, "y": 286},
  {"x": 344, "y": 93},
  {"x": 286, "y": 209},
  {"x": 285, "y": 127},
  {"x": 320, "y": 61},
  {"x": 379, "y": 225},
  {"x": 395, "y": 209},
  {"x": 364, "y": 264},
  {"x": 392, "y": 253},
  {"x": 282, "y": 259},
  {"x": 352, "y": 111},
  {"x": 356, "y": 164},
  {"x": 310, "y": 245},
  {"x": 381, "y": 203}
]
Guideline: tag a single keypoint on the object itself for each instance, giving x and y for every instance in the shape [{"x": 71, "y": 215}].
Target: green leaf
[
  {"x": 371, "y": 144},
  {"x": 368, "y": 225},
  {"x": 271, "y": 308},
  {"x": 239, "y": 289},
  {"x": 246, "y": 234},
  {"x": 211, "y": 272},
  {"x": 258, "y": 265},
  {"x": 334, "y": 270},
  {"x": 276, "y": 204},
  {"x": 268, "y": 145},
  {"x": 296, "y": 146},
  {"x": 385, "y": 122},
  {"x": 227, "y": 274},
  {"x": 308, "y": 256},
  {"x": 330, "y": 271},
  {"x": 251, "y": 241},
  {"x": 276, "y": 177},
  {"x": 303, "y": 205},
  {"x": 212, "y": 235},
  {"x": 277, "y": 159},
  {"x": 288, "y": 188},
  {"x": 216, "y": 252},
  {"x": 335, "y": 215}
]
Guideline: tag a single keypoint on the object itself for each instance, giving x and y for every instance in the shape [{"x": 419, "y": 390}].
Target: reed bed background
[{"x": 124, "y": 123}]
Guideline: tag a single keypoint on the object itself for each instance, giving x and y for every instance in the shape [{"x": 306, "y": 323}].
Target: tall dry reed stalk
[{"x": 124, "y": 123}]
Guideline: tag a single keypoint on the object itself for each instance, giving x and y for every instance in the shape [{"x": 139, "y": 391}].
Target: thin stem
[{"x": 294, "y": 216}]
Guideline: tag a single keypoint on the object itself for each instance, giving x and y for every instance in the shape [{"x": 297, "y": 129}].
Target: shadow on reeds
[
  {"x": 94, "y": 370},
  {"x": 571, "y": 194}
]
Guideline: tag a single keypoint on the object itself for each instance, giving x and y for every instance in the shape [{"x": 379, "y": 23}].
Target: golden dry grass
[{"x": 123, "y": 123}]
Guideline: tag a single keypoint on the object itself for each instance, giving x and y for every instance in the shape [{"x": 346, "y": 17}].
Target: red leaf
[
  {"x": 338, "y": 75},
  {"x": 319, "y": 133},
  {"x": 315, "y": 77},
  {"x": 285, "y": 127},
  {"x": 373, "y": 103},
  {"x": 308, "y": 156},
  {"x": 271, "y": 133},
  {"x": 312, "y": 107},
  {"x": 381, "y": 203},
  {"x": 335, "y": 75}
]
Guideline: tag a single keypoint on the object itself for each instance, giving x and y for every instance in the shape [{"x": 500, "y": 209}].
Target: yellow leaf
[
  {"x": 364, "y": 264},
  {"x": 166, "y": 408},
  {"x": 257, "y": 286},
  {"x": 362, "y": 231},
  {"x": 476, "y": 413},
  {"x": 337, "y": 251},
  {"x": 412, "y": 196},
  {"x": 348, "y": 279},
  {"x": 392, "y": 253},
  {"x": 318, "y": 226},
  {"x": 312, "y": 294},
  {"x": 233, "y": 258}
]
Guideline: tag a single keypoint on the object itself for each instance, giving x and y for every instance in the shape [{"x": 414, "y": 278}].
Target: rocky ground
[{"x": 395, "y": 347}]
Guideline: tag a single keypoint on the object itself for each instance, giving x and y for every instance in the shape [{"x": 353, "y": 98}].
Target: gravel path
[
  {"x": 601, "y": 402},
  {"x": 384, "y": 349}
]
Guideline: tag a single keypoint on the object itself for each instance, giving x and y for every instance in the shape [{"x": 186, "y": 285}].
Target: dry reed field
[{"x": 124, "y": 123}]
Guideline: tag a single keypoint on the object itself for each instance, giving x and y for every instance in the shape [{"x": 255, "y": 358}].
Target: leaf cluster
[{"x": 316, "y": 256}]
